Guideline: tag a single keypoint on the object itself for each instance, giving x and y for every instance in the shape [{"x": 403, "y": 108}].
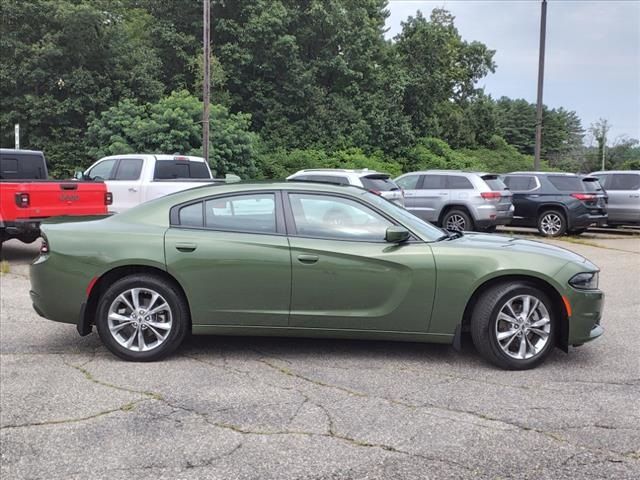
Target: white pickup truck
[{"x": 136, "y": 178}]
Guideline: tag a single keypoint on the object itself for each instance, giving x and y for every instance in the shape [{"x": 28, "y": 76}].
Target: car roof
[
  {"x": 158, "y": 156},
  {"x": 13, "y": 150},
  {"x": 565, "y": 174},
  {"x": 338, "y": 171},
  {"x": 600, "y": 172}
]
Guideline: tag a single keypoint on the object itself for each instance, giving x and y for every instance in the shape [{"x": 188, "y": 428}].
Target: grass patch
[
  {"x": 4, "y": 267},
  {"x": 579, "y": 241}
]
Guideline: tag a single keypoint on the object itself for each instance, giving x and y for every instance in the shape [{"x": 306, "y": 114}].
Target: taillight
[
  {"x": 491, "y": 195},
  {"x": 22, "y": 200},
  {"x": 108, "y": 198},
  {"x": 584, "y": 196}
]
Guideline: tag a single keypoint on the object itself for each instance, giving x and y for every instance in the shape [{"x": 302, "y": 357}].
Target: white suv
[{"x": 376, "y": 182}]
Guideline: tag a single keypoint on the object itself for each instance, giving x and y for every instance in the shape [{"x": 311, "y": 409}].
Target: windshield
[
  {"x": 379, "y": 183},
  {"x": 591, "y": 184},
  {"x": 426, "y": 231},
  {"x": 494, "y": 182}
]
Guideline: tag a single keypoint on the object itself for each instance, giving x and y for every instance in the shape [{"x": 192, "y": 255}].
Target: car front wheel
[
  {"x": 513, "y": 326},
  {"x": 142, "y": 318}
]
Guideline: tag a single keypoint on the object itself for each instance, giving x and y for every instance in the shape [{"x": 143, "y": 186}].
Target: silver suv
[
  {"x": 376, "y": 182},
  {"x": 623, "y": 189},
  {"x": 457, "y": 200}
]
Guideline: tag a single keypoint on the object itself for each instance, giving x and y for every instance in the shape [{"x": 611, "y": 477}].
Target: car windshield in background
[
  {"x": 427, "y": 231},
  {"x": 180, "y": 169},
  {"x": 379, "y": 183},
  {"x": 494, "y": 182}
]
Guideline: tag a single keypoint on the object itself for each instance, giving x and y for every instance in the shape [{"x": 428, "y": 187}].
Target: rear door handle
[
  {"x": 308, "y": 259},
  {"x": 186, "y": 247},
  {"x": 133, "y": 189}
]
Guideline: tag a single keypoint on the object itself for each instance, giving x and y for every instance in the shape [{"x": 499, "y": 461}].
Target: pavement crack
[
  {"x": 127, "y": 407},
  {"x": 89, "y": 376}
]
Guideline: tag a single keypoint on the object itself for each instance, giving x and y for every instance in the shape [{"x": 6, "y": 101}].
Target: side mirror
[
  {"x": 78, "y": 175},
  {"x": 396, "y": 235}
]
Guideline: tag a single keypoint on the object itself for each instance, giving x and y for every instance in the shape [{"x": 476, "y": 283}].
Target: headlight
[{"x": 585, "y": 281}]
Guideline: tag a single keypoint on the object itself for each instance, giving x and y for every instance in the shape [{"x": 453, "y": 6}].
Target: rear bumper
[
  {"x": 488, "y": 217},
  {"x": 20, "y": 227},
  {"x": 586, "y": 220}
]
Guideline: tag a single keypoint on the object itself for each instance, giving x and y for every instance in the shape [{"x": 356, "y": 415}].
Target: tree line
[{"x": 294, "y": 84}]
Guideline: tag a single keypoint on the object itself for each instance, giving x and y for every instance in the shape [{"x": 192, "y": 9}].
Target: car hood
[{"x": 513, "y": 244}]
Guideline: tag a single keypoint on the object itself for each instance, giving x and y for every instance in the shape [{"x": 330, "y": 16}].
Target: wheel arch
[
  {"x": 553, "y": 206},
  {"x": 454, "y": 206},
  {"x": 87, "y": 317},
  {"x": 555, "y": 296}
]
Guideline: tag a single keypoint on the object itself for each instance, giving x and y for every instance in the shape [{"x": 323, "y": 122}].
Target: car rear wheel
[
  {"x": 513, "y": 326},
  {"x": 552, "y": 223},
  {"x": 457, "y": 220},
  {"x": 142, "y": 318}
]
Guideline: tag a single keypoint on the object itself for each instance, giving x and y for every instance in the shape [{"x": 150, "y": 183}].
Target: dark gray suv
[{"x": 556, "y": 203}]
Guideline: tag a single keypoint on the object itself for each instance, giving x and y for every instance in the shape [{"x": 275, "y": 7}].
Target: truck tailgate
[{"x": 54, "y": 198}]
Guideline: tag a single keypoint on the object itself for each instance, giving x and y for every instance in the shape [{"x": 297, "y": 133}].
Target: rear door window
[
  {"x": 624, "y": 181},
  {"x": 433, "y": 182},
  {"x": 379, "y": 183},
  {"x": 129, "y": 169},
  {"x": 457, "y": 182},
  {"x": 242, "y": 213}
]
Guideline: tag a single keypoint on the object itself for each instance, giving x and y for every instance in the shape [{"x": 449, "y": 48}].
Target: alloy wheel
[
  {"x": 456, "y": 222},
  {"x": 140, "y": 319},
  {"x": 551, "y": 224},
  {"x": 523, "y": 327}
]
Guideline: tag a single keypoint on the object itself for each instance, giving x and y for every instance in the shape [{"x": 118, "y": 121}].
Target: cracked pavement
[{"x": 270, "y": 408}]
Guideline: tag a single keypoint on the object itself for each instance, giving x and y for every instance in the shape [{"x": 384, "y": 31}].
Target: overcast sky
[{"x": 592, "y": 52}]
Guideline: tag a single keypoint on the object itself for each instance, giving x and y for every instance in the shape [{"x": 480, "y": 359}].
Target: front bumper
[{"x": 586, "y": 315}]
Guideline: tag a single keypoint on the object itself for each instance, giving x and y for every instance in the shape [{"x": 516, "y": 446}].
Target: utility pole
[
  {"x": 604, "y": 147},
  {"x": 543, "y": 34},
  {"x": 206, "y": 40}
]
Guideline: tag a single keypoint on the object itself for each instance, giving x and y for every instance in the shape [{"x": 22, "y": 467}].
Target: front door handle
[
  {"x": 186, "y": 247},
  {"x": 308, "y": 259}
]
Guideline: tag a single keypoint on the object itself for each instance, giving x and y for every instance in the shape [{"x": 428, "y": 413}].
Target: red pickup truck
[{"x": 27, "y": 197}]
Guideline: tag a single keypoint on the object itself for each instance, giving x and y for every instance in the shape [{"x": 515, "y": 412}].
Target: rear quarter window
[
  {"x": 520, "y": 183},
  {"x": 456, "y": 182},
  {"x": 566, "y": 184},
  {"x": 494, "y": 182}
]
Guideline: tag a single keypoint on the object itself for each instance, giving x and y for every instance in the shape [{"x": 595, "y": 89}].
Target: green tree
[{"x": 173, "y": 125}]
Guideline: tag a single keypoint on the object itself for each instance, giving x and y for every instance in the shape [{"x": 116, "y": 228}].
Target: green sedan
[{"x": 308, "y": 260}]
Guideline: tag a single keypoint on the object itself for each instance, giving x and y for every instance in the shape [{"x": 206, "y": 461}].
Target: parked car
[
  {"x": 376, "y": 182},
  {"x": 623, "y": 190},
  {"x": 27, "y": 196},
  {"x": 309, "y": 260},
  {"x": 136, "y": 178},
  {"x": 457, "y": 200},
  {"x": 557, "y": 203}
]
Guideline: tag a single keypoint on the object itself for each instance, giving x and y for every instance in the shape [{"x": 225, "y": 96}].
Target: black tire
[
  {"x": 178, "y": 309},
  {"x": 552, "y": 223},
  {"x": 578, "y": 231},
  {"x": 485, "y": 326},
  {"x": 457, "y": 217}
]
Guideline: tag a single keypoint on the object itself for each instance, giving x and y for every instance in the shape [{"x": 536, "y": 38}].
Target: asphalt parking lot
[{"x": 253, "y": 408}]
